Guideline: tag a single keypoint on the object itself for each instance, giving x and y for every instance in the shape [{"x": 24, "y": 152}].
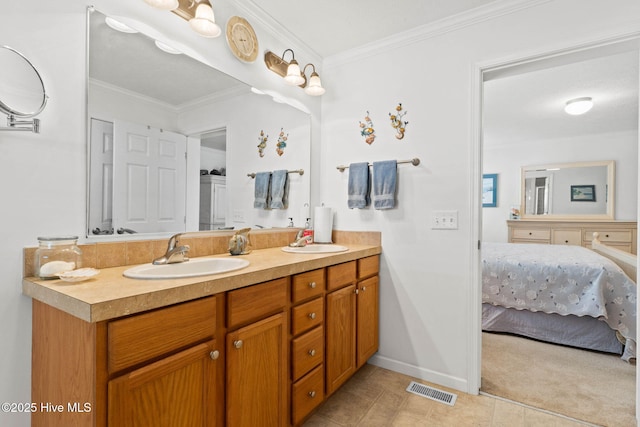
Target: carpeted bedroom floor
[{"x": 595, "y": 387}]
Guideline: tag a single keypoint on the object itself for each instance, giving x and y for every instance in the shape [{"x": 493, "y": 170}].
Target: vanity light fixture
[
  {"x": 199, "y": 14},
  {"x": 290, "y": 72},
  {"x": 578, "y": 106},
  {"x": 314, "y": 87}
]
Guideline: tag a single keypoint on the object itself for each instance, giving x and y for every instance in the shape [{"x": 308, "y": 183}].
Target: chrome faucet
[
  {"x": 300, "y": 240},
  {"x": 175, "y": 252}
]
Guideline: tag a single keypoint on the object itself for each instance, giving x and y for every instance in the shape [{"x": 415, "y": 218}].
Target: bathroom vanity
[{"x": 264, "y": 345}]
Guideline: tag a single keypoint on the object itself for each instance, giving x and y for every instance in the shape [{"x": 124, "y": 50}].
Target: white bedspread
[{"x": 560, "y": 279}]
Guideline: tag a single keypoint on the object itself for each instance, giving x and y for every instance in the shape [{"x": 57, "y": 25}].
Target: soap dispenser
[{"x": 308, "y": 231}]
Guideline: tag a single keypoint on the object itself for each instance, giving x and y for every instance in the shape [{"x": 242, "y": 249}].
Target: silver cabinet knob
[
  {"x": 312, "y": 394},
  {"x": 312, "y": 352},
  {"x": 312, "y": 285},
  {"x": 364, "y": 288},
  {"x": 214, "y": 354},
  {"x": 312, "y": 316},
  {"x": 237, "y": 344}
]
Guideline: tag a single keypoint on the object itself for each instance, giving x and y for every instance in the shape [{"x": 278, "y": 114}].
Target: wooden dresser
[{"x": 618, "y": 234}]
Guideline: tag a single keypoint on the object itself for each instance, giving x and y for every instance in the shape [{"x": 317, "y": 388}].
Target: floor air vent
[{"x": 432, "y": 393}]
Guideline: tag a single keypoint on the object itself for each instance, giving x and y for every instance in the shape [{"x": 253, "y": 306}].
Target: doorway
[{"x": 507, "y": 132}]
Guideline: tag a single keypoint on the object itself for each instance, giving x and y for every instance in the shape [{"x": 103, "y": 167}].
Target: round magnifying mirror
[{"x": 21, "y": 89}]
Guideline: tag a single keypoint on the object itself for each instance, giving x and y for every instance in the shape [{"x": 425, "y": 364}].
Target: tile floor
[{"x": 377, "y": 397}]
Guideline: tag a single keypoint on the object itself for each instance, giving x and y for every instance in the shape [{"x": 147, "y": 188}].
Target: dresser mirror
[
  {"x": 136, "y": 86},
  {"x": 582, "y": 190}
]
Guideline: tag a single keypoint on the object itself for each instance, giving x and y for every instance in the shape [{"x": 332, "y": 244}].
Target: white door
[
  {"x": 101, "y": 191},
  {"x": 149, "y": 180}
]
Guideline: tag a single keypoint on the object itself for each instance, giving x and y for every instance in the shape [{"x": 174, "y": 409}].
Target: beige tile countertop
[{"x": 110, "y": 294}]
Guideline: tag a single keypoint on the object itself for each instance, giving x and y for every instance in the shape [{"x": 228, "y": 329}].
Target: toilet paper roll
[{"x": 322, "y": 225}]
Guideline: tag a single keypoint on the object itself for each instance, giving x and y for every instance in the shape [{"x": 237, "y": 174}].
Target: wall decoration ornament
[
  {"x": 282, "y": 142},
  {"x": 367, "y": 130},
  {"x": 397, "y": 123},
  {"x": 263, "y": 143}
]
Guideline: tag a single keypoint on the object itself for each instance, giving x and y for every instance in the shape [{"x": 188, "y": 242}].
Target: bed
[{"x": 561, "y": 294}]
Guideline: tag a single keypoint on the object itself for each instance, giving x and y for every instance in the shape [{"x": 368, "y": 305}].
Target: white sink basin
[
  {"x": 316, "y": 248},
  {"x": 191, "y": 268}
]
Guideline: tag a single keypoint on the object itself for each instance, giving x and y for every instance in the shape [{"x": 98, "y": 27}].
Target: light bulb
[{"x": 204, "y": 23}]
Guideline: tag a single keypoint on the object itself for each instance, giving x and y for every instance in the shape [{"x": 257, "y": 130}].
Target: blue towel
[
  {"x": 384, "y": 184},
  {"x": 279, "y": 189},
  {"x": 261, "y": 194},
  {"x": 358, "y": 187}
]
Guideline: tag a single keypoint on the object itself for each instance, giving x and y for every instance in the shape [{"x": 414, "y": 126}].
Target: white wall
[
  {"x": 427, "y": 276},
  {"x": 506, "y": 160},
  {"x": 44, "y": 175}
]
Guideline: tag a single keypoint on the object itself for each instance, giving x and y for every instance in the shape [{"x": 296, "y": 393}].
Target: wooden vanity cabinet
[
  {"x": 307, "y": 343},
  {"x": 266, "y": 354},
  {"x": 174, "y": 381},
  {"x": 257, "y": 356},
  {"x": 351, "y": 319}
]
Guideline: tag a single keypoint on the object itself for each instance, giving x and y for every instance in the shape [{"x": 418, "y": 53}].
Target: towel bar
[
  {"x": 300, "y": 171},
  {"x": 415, "y": 162}
]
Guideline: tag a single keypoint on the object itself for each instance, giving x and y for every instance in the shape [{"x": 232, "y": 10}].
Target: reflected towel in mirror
[
  {"x": 279, "y": 189},
  {"x": 261, "y": 192},
  {"x": 384, "y": 184}
]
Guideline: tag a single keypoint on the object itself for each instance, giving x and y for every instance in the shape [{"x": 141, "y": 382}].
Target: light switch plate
[
  {"x": 444, "y": 220},
  {"x": 238, "y": 215}
]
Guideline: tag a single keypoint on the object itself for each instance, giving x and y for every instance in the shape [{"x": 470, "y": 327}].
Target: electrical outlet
[
  {"x": 238, "y": 215},
  {"x": 444, "y": 220}
]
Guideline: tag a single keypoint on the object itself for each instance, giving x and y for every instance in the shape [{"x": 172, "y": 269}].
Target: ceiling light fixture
[
  {"x": 199, "y": 14},
  {"x": 163, "y": 4},
  {"x": 578, "y": 106},
  {"x": 290, "y": 72},
  {"x": 166, "y": 48},
  {"x": 119, "y": 26}
]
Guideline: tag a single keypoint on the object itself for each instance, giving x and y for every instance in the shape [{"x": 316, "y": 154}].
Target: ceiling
[
  {"x": 526, "y": 105},
  {"x": 333, "y": 26}
]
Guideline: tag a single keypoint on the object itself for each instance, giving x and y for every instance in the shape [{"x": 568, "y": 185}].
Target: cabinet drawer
[
  {"x": 145, "y": 336},
  {"x": 341, "y": 275},
  {"x": 307, "y": 351},
  {"x": 532, "y": 234},
  {"x": 255, "y": 302},
  {"x": 368, "y": 266},
  {"x": 307, "y": 394},
  {"x": 306, "y": 316},
  {"x": 307, "y": 285},
  {"x": 625, "y": 236},
  {"x": 567, "y": 237}
]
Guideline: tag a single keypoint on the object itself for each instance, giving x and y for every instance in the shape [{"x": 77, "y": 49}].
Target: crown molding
[
  {"x": 253, "y": 10},
  {"x": 431, "y": 30}
]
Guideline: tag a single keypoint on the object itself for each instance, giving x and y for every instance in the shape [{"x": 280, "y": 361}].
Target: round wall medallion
[{"x": 242, "y": 39}]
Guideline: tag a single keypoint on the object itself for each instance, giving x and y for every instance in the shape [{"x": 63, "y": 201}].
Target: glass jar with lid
[{"x": 56, "y": 255}]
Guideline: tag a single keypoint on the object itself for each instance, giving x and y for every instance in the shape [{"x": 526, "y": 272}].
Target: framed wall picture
[
  {"x": 583, "y": 193},
  {"x": 490, "y": 190}
]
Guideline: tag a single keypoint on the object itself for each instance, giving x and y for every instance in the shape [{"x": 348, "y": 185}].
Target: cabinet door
[
  {"x": 178, "y": 391},
  {"x": 257, "y": 363},
  {"x": 367, "y": 323},
  {"x": 340, "y": 324}
]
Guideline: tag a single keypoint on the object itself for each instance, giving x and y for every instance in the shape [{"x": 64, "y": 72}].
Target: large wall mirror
[
  {"x": 159, "y": 121},
  {"x": 581, "y": 189}
]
